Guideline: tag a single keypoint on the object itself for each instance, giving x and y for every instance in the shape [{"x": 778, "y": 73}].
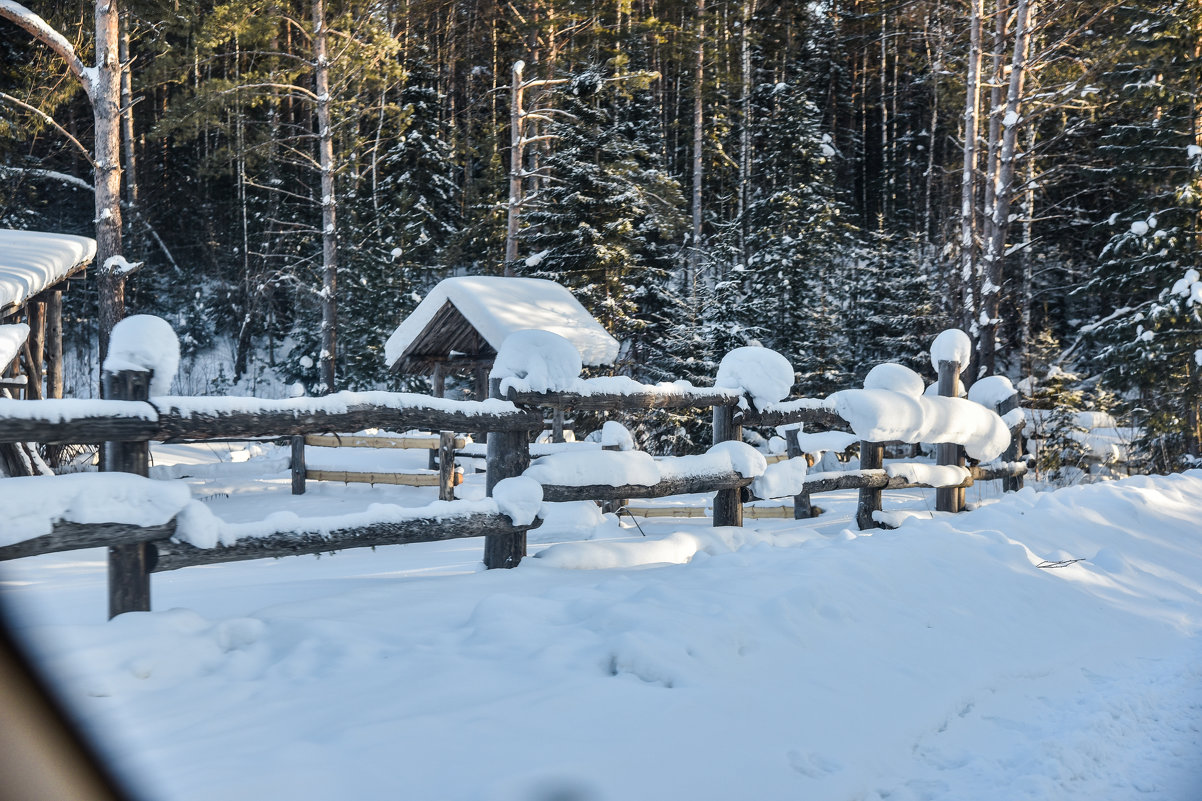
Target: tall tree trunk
[
  {"x": 972, "y": 94},
  {"x": 329, "y": 231},
  {"x": 745, "y": 132},
  {"x": 106, "y": 111},
  {"x": 698, "y": 135},
  {"x": 1003, "y": 194},
  {"x": 515, "y": 168}
]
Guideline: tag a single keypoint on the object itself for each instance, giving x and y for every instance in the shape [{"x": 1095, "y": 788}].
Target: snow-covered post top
[
  {"x": 763, "y": 375},
  {"x": 144, "y": 344},
  {"x": 953, "y": 345},
  {"x": 532, "y": 360}
]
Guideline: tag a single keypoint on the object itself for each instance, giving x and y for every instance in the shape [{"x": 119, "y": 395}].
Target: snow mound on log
[
  {"x": 616, "y": 435},
  {"x": 34, "y": 504},
  {"x": 532, "y": 360},
  {"x": 762, "y": 374},
  {"x": 895, "y": 377},
  {"x": 145, "y": 342},
  {"x": 880, "y": 415},
  {"x": 991, "y": 391}
]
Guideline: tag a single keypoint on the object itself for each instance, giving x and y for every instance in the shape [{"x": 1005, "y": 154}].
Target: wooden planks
[
  {"x": 431, "y": 479},
  {"x": 406, "y": 442}
]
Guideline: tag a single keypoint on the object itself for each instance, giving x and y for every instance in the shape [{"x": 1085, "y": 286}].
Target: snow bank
[
  {"x": 12, "y": 339},
  {"x": 762, "y": 374},
  {"x": 895, "y": 377},
  {"x": 145, "y": 342},
  {"x": 879, "y": 415},
  {"x": 953, "y": 345},
  {"x": 531, "y": 360},
  {"x": 605, "y": 468},
  {"x": 32, "y": 505},
  {"x": 676, "y": 548}
]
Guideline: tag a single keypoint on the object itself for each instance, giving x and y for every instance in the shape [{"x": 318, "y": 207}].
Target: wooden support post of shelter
[
  {"x": 872, "y": 457},
  {"x": 129, "y": 565},
  {"x": 438, "y": 387},
  {"x": 728, "y": 503},
  {"x": 802, "y": 510},
  {"x": 949, "y": 499},
  {"x": 508, "y": 455},
  {"x": 614, "y": 505}
]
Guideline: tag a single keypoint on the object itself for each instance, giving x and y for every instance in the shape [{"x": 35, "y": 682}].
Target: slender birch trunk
[
  {"x": 698, "y": 134},
  {"x": 329, "y": 231},
  {"x": 972, "y": 93}
]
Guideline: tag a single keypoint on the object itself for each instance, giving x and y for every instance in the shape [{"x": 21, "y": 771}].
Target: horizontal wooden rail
[
  {"x": 613, "y": 402},
  {"x": 174, "y": 555},
  {"x": 814, "y": 419},
  {"x": 556, "y": 493},
  {"x": 879, "y": 479},
  {"x": 419, "y": 443},
  {"x": 430, "y": 479},
  {"x": 66, "y": 536}
]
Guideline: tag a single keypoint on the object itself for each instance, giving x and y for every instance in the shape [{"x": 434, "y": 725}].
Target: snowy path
[{"x": 932, "y": 662}]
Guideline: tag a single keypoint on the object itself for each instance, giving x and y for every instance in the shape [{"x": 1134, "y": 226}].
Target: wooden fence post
[
  {"x": 949, "y": 499},
  {"x": 446, "y": 465},
  {"x": 1015, "y": 451},
  {"x": 614, "y": 506},
  {"x": 872, "y": 457},
  {"x": 508, "y": 455},
  {"x": 298, "y": 465},
  {"x": 129, "y": 565},
  {"x": 802, "y": 510},
  {"x": 728, "y": 504}
]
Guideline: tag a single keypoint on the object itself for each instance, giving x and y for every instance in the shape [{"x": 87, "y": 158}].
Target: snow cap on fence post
[
  {"x": 145, "y": 343},
  {"x": 533, "y": 360},
  {"x": 895, "y": 377},
  {"x": 953, "y": 345},
  {"x": 762, "y": 374}
]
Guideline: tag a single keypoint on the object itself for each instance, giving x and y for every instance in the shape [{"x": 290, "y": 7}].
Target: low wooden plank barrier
[{"x": 446, "y": 477}]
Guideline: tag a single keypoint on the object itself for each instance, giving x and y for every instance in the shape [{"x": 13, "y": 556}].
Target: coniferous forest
[{"x": 838, "y": 181}]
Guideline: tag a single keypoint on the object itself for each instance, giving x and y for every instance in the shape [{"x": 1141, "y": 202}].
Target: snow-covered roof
[
  {"x": 31, "y": 261},
  {"x": 496, "y": 307}
]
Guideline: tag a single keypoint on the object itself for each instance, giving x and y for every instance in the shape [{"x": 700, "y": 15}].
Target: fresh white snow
[
  {"x": 145, "y": 342},
  {"x": 31, "y": 261},
  {"x": 895, "y": 377},
  {"x": 12, "y": 339},
  {"x": 532, "y": 360},
  {"x": 763, "y": 375},
  {"x": 786, "y": 660},
  {"x": 952, "y": 345}
]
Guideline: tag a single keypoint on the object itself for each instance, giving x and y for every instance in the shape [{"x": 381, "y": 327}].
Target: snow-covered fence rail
[{"x": 174, "y": 418}]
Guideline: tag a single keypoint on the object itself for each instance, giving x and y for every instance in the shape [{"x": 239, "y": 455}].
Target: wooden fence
[{"x": 129, "y": 421}]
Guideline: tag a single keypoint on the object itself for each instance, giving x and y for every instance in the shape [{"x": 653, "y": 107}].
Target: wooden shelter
[
  {"x": 35, "y": 268},
  {"x": 461, "y": 324}
]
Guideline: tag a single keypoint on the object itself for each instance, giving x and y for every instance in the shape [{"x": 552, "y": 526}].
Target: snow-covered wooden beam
[
  {"x": 174, "y": 555},
  {"x": 646, "y": 396},
  {"x": 677, "y": 485},
  {"x": 70, "y": 536},
  {"x": 181, "y": 418},
  {"x": 896, "y": 477}
]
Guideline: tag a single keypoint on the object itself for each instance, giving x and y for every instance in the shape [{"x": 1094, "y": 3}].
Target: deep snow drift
[{"x": 780, "y": 661}]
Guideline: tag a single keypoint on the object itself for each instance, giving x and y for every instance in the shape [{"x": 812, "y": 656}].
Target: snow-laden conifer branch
[{"x": 41, "y": 30}]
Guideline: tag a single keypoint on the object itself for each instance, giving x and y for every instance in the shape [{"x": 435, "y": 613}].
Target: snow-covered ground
[{"x": 779, "y": 661}]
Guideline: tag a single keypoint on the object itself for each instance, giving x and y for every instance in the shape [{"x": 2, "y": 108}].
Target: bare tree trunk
[
  {"x": 515, "y": 167},
  {"x": 127, "y": 116},
  {"x": 698, "y": 134},
  {"x": 972, "y": 93},
  {"x": 1003, "y": 193},
  {"x": 106, "y": 111},
  {"x": 329, "y": 232},
  {"x": 745, "y": 133}
]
